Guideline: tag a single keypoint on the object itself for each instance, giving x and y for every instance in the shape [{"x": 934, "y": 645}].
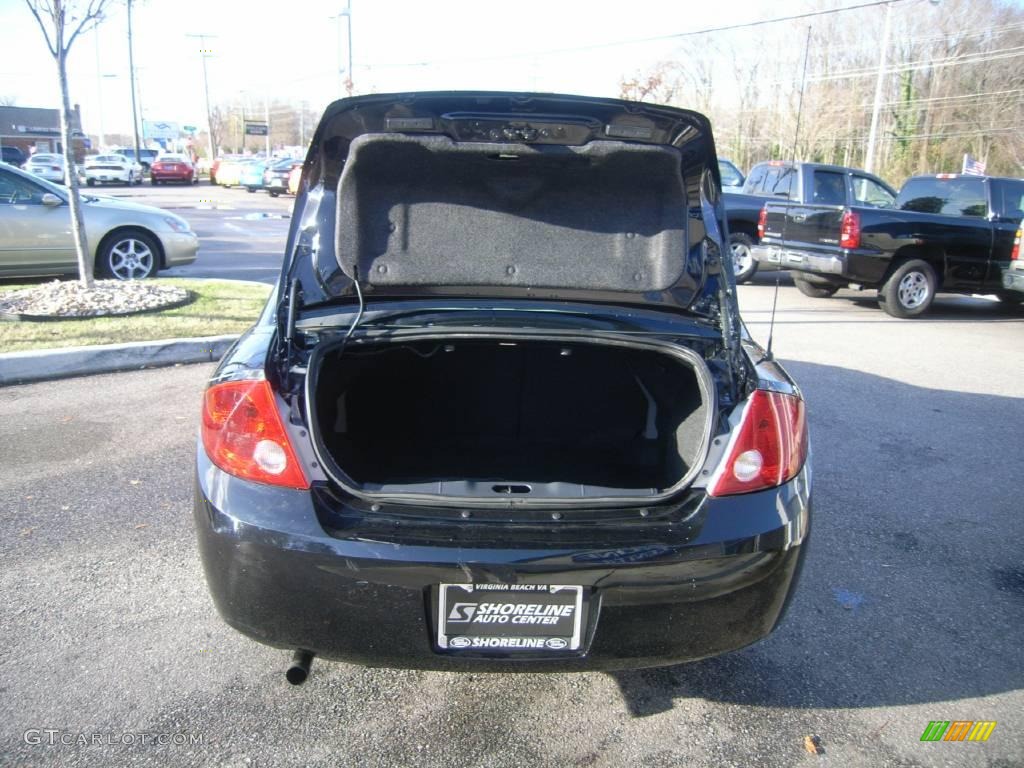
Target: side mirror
[{"x": 50, "y": 200}]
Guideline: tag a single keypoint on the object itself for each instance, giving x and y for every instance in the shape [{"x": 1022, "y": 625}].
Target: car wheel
[
  {"x": 153, "y": 182},
  {"x": 909, "y": 291},
  {"x": 813, "y": 290},
  {"x": 130, "y": 255},
  {"x": 275, "y": 194},
  {"x": 90, "y": 182},
  {"x": 250, "y": 190},
  {"x": 743, "y": 264}
]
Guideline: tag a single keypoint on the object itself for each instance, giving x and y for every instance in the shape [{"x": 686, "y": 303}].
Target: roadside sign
[{"x": 255, "y": 129}]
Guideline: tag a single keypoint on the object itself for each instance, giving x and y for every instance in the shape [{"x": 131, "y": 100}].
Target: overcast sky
[{"x": 292, "y": 52}]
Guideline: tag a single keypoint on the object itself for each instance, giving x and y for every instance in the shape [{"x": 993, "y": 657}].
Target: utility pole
[
  {"x": 869, "y": 160},
  {"x": 800, "y": 105},
  {"x": 266, "y": 118},
  {"x": 131, "y": 73},
  {"x": 205, "y": 53},
  {"x": 347, "y": 15}
]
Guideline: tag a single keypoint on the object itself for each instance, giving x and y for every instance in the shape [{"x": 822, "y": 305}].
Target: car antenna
[{"x": 771, "y": 324}]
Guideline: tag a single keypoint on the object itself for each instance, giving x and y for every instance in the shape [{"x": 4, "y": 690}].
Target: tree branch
[
  {"x": 93, "y": 16},
  {"x": 54, "y": 51}
]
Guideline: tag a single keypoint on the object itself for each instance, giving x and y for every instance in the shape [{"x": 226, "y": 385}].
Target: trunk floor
[{"x": 619, "y": 465}]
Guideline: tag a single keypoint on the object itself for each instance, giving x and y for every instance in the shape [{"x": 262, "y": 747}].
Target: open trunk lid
[{"x": 510, "y": 196}]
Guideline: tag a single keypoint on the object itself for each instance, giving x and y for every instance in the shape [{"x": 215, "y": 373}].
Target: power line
[{"x": 636, "y": 41}]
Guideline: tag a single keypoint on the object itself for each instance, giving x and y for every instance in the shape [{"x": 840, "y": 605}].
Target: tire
[
  {"x": 250, "y": 190},
  {"x": 813, "y": 290},
  {"x": 275, "y": 194},
  {"x": 90, "y": 182},
  {"x": 129, "y": 255},
  {"x": 153, "y": 182},
  {"x": 743, "y": 264},
  {"x": 910, "y": 289}
]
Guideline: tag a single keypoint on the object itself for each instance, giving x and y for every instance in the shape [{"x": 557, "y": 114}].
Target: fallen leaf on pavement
[{"x": 813, "y": 745}]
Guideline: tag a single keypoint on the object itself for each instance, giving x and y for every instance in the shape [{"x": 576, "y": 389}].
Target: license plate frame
[{"x": 511, "y": 618}]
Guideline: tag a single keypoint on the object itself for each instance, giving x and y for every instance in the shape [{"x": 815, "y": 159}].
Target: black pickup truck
[
  {"x": 945, "y": 232},
  {"x": 793, "y": 183}
]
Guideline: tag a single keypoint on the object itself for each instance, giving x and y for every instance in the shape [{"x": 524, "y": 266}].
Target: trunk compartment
[{"x": 500, "y": 418}]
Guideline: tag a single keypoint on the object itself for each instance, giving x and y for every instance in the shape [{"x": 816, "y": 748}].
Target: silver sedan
[{"x": 126, "y": 240}]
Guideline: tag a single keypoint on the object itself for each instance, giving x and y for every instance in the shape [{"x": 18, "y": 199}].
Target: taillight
[
  {"x": 849, "y": 230},
  {"x": 1015, "y": 253},
  {"x": 762, "y": 221},
  {"x": 243, "y": 434},
  {"x": 769, "y": 447}
]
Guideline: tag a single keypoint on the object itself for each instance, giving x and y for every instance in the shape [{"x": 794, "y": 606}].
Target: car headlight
[{"x": 178, "y": 225}]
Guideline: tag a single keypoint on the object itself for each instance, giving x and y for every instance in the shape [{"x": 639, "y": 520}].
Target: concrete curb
[{"x": 43, "y": 364}]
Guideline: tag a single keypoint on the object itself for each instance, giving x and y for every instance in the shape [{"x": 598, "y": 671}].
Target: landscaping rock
[{"x": 109, "y": 297}]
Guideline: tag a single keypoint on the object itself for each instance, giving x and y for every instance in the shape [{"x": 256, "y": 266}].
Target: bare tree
[{"x": 62, "y": 21}]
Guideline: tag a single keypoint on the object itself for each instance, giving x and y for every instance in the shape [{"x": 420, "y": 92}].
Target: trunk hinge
[{"x": 713, "y": 248}]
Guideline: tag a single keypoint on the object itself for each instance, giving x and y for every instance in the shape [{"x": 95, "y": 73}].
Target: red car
[{"x": 172, "y": 168}]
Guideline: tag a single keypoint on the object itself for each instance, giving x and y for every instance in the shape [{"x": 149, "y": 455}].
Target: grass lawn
[{"x": 221, "y": 307}]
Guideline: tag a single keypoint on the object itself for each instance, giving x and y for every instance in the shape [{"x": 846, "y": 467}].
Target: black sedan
[{"x": 500, "y": 412}]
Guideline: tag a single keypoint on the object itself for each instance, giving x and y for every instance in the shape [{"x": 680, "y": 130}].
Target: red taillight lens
[
  {"x": 769, "y": 448},
  {"x": 1015, "y": 253},
  {"x": 762, "y": 220},
  {"x": 849, "y": 230},
  {"x": 243, "y": 434}
]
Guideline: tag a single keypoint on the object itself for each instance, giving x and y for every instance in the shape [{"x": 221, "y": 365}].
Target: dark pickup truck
[
  {"x": 945, "y": 232},
  {"x": 794, "y": 183}
]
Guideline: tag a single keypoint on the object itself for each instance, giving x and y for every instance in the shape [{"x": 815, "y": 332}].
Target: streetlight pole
[
  {"x": 131, "y": 72},
  {"x": 346, "y": 13},
  {"x": 869, "y": 160},
  {"x": 204, "y": 54}
]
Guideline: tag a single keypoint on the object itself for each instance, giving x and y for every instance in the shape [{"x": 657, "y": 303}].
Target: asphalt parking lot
[
  {"x": 241, "y": 234},
  {"x": 911, "y": 606}
]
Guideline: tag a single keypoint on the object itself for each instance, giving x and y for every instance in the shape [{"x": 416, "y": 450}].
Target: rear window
[
  {"x": 45, "y": 158},
  {"x": 778, "y": 182},
  {"x": 1011, "y": 199},
  {"x": 754, "y": 179},
  {"x": 829, "y": 188},
  {"x": 869, "y": 192},
  {"x": 959, "y": 196}
]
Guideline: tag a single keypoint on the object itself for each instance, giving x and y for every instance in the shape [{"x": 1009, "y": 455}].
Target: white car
[
  {"x": 112, "y": 169},
  {"x": 46, "y": 166}
]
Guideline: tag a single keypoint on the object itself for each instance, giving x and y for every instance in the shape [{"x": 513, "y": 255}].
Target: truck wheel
[
  {"x": 743, "y": 264},
  {"x": 813, "y": 290},
  {"x": 909, "y": 291}
]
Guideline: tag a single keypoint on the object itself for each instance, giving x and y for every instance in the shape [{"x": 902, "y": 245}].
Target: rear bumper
[
  {"x": 717, "y": 581},
  {"x": 802, "y": 261},
  {"x": 863, "y": 266},
  {"x": 1013, "y": 280},
  {"x": 106, "y": 175},
  {"x": 176, "y": 176}
]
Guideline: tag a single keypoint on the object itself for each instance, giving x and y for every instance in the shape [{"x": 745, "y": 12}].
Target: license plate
[{"x": 510, "y": 617}]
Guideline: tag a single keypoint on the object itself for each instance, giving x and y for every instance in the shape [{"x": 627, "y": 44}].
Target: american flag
[{"x": 973, "y": 167}]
